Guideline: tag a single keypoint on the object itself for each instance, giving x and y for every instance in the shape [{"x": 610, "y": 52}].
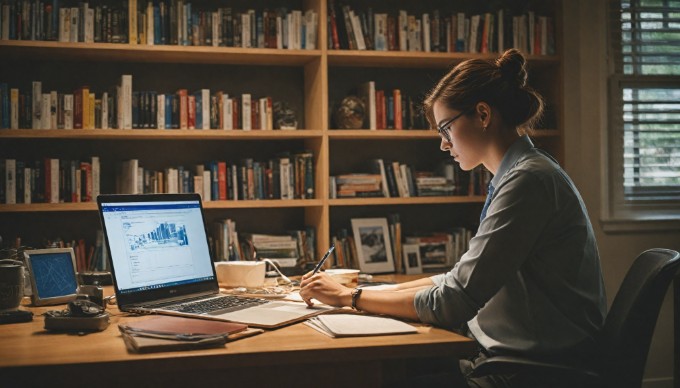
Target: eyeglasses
[{"x": 444, "y": 128}]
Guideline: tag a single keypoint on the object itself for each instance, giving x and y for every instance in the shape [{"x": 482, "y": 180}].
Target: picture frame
[
  {"x": 373, "y": 245},
  {"x": 412, "y": 262},
  {"x": 53, "y": 275}
]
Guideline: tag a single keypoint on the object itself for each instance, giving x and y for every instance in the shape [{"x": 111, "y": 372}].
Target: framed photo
[
  {"x": 374, "y": 248},
  {"x": 53, "y": 275},
  {"x": 412, "y": 261}
]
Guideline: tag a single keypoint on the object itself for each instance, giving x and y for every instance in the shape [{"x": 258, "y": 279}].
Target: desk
[{"x": 295, "y": 355}]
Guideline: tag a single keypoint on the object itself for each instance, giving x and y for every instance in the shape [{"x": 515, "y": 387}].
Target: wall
[{"x": 585, "y": 118}]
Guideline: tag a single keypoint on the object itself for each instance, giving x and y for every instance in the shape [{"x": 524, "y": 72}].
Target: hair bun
[{"x": 512, "y": 67}]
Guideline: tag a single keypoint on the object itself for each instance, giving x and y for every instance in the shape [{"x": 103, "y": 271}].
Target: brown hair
[{"x": 501, "y": 84}]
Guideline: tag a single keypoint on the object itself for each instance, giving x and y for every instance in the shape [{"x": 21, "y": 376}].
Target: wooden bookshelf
[{"x": 317, "y": 76}]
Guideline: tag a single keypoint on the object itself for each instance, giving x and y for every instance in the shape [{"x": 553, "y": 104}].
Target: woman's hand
[{"x": 324, "y": 289}]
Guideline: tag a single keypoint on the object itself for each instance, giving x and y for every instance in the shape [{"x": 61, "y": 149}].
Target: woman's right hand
[{"x": 323, "y": 288}]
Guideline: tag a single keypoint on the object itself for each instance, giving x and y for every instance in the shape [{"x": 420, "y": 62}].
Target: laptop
[{"x": 161, "y": 263}]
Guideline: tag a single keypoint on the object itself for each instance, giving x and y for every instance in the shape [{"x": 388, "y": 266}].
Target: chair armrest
[{"x": 509, "y": 364}]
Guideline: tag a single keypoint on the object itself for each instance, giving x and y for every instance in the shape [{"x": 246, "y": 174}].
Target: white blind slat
[{"x": 646, "y": 45}]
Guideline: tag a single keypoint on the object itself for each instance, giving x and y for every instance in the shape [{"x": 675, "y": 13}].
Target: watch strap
[{"x": 356, "y": 293}]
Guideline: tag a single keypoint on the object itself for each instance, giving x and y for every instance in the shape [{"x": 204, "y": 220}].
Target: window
[{"x": 644, "y": 136}]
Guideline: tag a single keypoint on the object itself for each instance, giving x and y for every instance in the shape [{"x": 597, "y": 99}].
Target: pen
[{"x": 323, "y": 259}]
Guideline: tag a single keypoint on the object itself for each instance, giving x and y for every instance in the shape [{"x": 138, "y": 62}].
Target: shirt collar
[{"x": 512, "y": 155}]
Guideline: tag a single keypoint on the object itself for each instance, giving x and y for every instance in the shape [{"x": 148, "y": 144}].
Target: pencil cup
[
  {"x": 346, "y": 277},
  {"x": 249, "y": 274},
  {"x": 11, "y": 284}
]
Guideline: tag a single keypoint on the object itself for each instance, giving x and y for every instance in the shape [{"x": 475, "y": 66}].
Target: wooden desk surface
[{"x": 30, "y": 354}]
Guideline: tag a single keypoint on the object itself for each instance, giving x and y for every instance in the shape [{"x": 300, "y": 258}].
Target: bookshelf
[{"x": 310, "y": 80}]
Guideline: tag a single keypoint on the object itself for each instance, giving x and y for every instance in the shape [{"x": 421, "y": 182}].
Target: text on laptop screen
[{"x": 157, "y": 244}]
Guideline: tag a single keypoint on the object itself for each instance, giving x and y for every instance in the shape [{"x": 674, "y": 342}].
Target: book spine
[
  {"x": 207, "y": 184},
  {"x": 191, "y": 111},
  {"x": 46, "y": 115},
  {"x": 14, "y": 108},
  {"x": 90, "y": 111},
  {"x": 205, "y": 108},
  {"x": 222, "y": 180},
  {"x": 126, "y": 100},
  {"x": 183, "y": 100},
  {"x": 160, "y": 111},
  {"x": 245, "y": 110},
  {"x": 227, "y": 115},
  {"x": 10, "y": 181},
  {"x": 28, "y": 187},
  {"x": 37, "y": 105}
]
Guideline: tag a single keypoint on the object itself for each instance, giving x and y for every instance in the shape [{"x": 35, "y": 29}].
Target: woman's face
[{"x": 468, "y": 142}]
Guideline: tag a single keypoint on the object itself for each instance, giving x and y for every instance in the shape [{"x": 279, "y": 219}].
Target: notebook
[
  {"x": 161, "y": 263},
  {"x": 356, "y": 325}
]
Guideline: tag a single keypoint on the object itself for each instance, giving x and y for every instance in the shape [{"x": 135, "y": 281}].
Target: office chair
[{"x": 623, "y": 343}]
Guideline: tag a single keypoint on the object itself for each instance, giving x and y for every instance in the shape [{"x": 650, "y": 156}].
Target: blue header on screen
[
  {"x": 122, "y": 208},
  {"x": 54, "y": 274}
]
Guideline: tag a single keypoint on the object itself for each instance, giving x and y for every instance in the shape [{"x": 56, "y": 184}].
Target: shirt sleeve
[{"x": 515, "y": 219}]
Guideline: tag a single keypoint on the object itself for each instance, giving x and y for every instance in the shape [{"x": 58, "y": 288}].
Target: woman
[{"x": 530, "y": 283}]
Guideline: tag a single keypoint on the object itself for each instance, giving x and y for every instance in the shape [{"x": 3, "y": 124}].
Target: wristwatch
[{"x": 356, "y": 293}]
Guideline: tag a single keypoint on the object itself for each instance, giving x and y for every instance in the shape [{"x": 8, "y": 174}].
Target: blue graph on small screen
[{"x": 54, "y": 274}]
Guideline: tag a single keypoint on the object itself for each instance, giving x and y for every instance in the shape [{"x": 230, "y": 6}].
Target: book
[
  {"x": 378, "y": 166},
  {"x": 10, "y": 181},
  {"x": 166, "y": 333},
  {"x": 180, "y": 326},
  {"x": 356, "y": 325},
  {"x": 366, "y": 92},
  {"x": 125, "y": 101}
]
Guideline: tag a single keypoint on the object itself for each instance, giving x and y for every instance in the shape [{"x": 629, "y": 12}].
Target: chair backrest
[{"x": 632, "y": 317}]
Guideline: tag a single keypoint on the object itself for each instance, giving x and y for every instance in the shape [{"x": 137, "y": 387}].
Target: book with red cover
[
  {"x": 191, "y": 111},
  {"x": 181, "y": 326},
  {"x": 222, "y": 180}
]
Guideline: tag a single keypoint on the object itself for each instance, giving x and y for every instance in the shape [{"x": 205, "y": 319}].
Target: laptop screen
[{"x": 157, "y": 244}]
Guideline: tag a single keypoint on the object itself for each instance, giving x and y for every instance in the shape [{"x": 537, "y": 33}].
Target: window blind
[{"x": 646, "y": 60}]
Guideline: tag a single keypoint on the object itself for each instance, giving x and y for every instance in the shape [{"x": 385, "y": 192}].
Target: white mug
[{"x": 249, "y": 274}]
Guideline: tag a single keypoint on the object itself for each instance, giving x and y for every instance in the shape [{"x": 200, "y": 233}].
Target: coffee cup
[
  {"x": 249, "y": 274},
  {"x": 346, "y": 277},
  {"x": 11, "y": 284}
]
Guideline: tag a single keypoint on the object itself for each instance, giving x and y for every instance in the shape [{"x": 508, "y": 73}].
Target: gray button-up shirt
[{"x": 531, "y": 281}]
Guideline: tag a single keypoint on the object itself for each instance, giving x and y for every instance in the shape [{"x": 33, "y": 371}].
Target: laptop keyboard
[{"x": 222, "y": 304}]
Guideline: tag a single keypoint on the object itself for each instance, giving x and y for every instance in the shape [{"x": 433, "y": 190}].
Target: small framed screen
[{"x": 53, "y": 275}]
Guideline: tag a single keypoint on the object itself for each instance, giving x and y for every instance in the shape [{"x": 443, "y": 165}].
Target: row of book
[
  {"x": 395, "y": 179},
  {"x": 292, "y": 249},
  {"x": 89, "y": 256},
  {"x": 393, "y": 109},
  {"x": 473, "y": 182},
  {"x": 179, "y": 23},
  {"x": 287, "y": 176},
  {"x": 438, "y": 251},
  {"x": 128, "y": 109},
  {"x": 49, "y": 180},
  {"x": 168, "y": 22},
  {"x": 439, "y": 31}
]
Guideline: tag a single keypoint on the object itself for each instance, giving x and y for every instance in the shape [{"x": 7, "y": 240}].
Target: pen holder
[{"x": 11, "y": 284}]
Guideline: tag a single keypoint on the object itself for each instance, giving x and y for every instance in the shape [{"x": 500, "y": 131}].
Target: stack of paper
[{"x": 353, "y": 325}]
